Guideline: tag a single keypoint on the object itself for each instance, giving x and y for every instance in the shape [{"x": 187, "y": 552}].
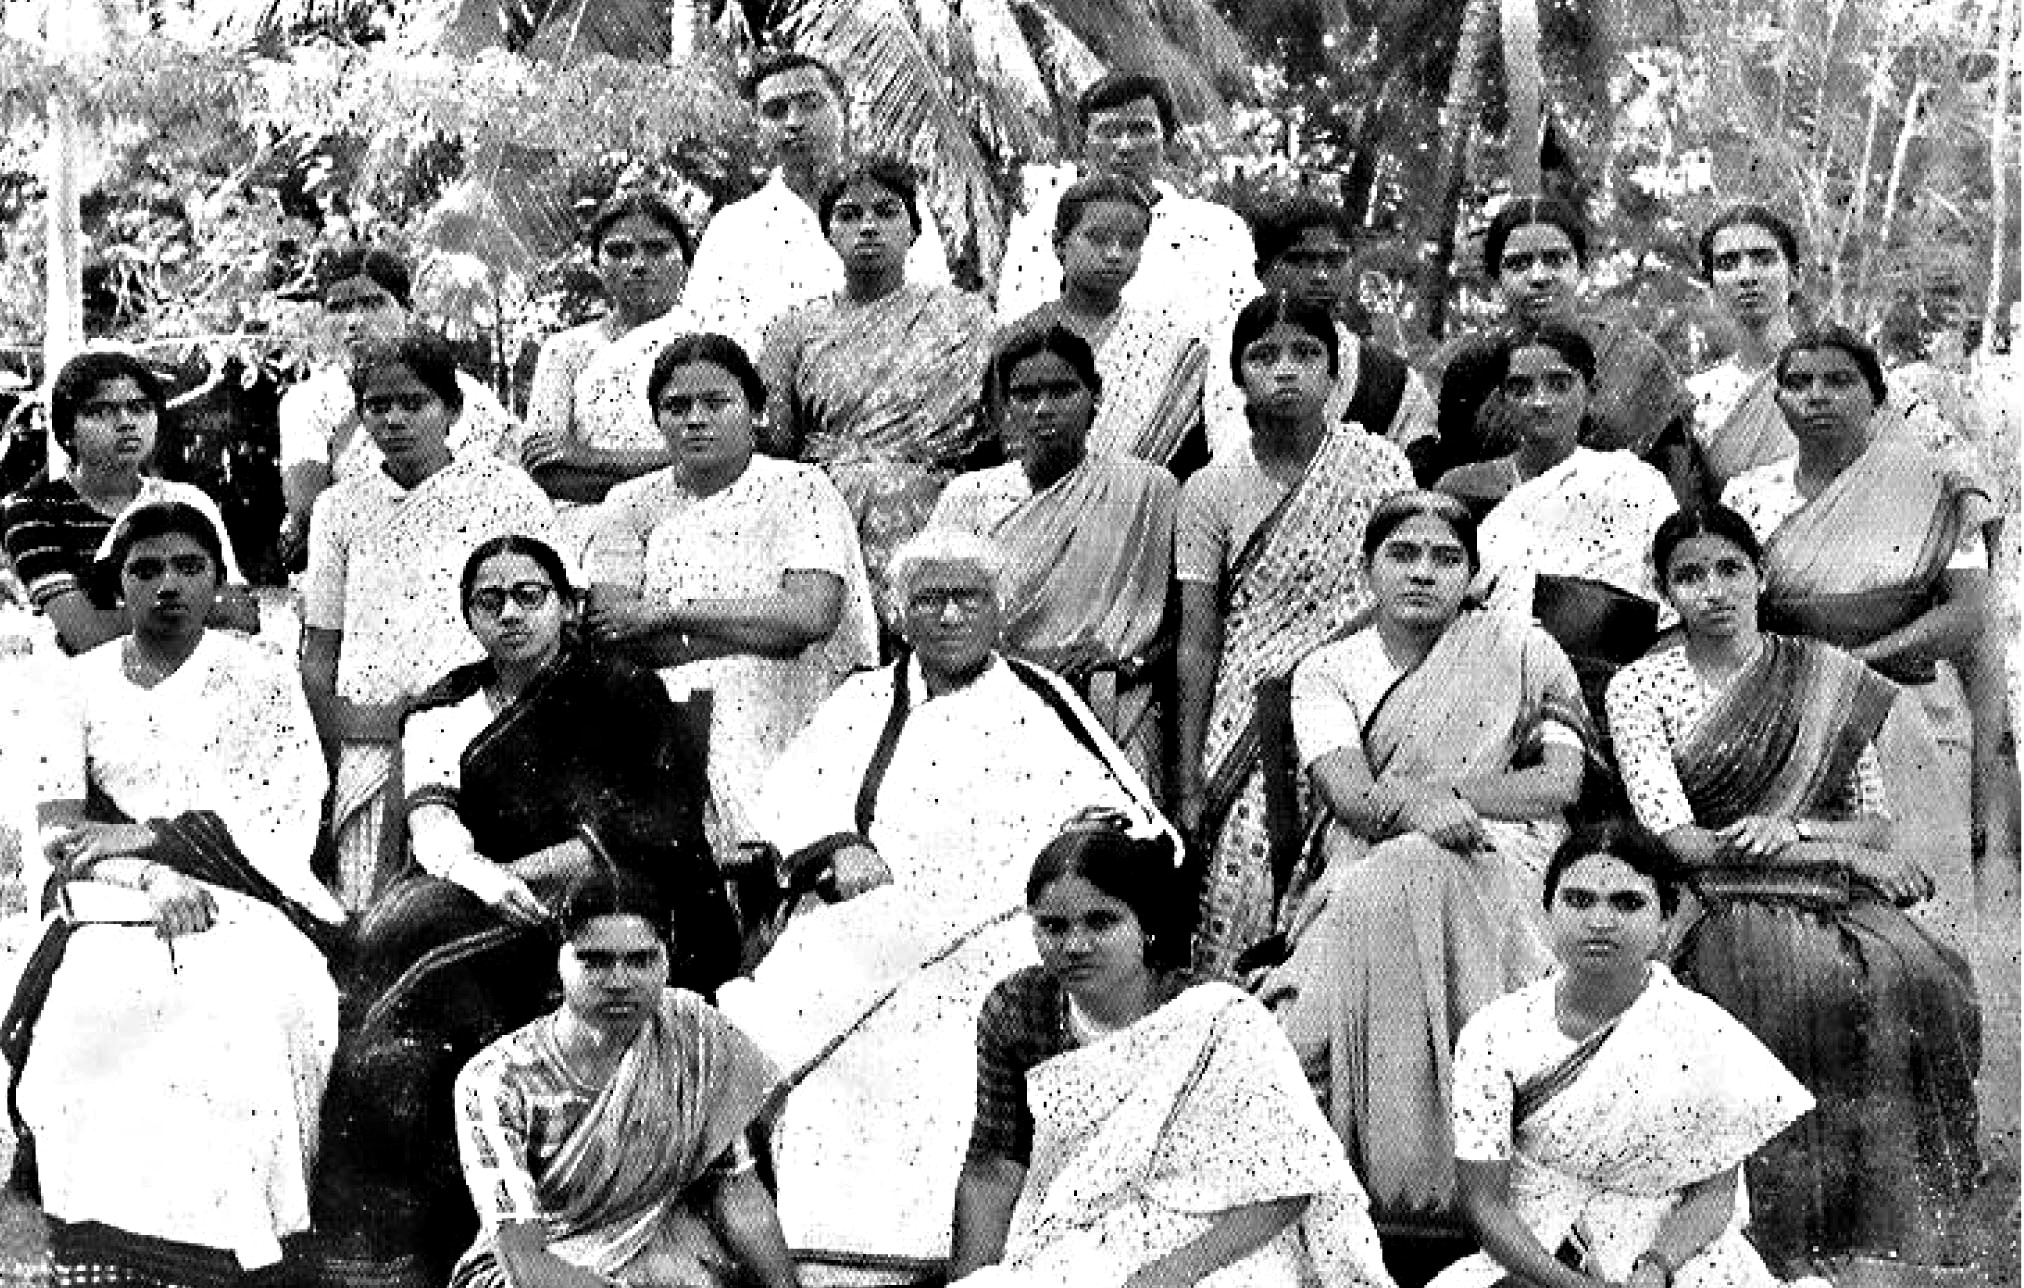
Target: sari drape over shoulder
[
  {"x": 614, "y": 1193},
  {"x": 1737, "y": 423},
  {"x": 1864, "y": 556},
  {"x": 1297, "y": 583},
  {"x": 1402, "y": 941},
  {"x": 884, "y": 397},
  {"x": 1672, "y": 1093},
  {"x": 1874, "y": 1014},
  {"x": 1154, "y": 366},
  {"x": 1091, "y": 561},
  {"x": 1142, "y": 1139}
]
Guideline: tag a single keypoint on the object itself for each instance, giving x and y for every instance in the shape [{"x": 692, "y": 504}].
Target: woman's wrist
[{"x": 1659, "y": 1261}]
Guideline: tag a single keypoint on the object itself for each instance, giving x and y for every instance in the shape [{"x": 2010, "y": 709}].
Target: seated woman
[
  {"x": 1444, "y": 744},
  {"x": 1606, "y": 1104},
  {"x": 106, "y": 410},
  {"x": 515, "y": 768},
  {"x": 1134, "y": 1126},
  {"x": 1088, "y": 537},
  {"x": 604, "y": 1143},
  {"x": 1154, "y": 364},
  {"x": 586, "y": 429},
  {"x": 1877, "y": 544},
  {"x": 1750, "y": 755},
  {"x": 730, "y": 571},
  {"x": 877, "y": 384},
  {"x": 1534, "y": 250},
  {"x": 1568, "y": 544},
  {"x": 171, "y": 1037}
]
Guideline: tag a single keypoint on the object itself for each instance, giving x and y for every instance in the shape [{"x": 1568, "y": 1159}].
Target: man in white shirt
[
  {"x": 765, "y": 254},
  {"x": 1197, "y": 257}
]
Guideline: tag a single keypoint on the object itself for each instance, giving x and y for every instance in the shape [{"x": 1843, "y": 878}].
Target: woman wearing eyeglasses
[
  {"x": 509, "y": 762},
  {"x": 730, "y": 571},
  {"x": 1535, "y": 251}
]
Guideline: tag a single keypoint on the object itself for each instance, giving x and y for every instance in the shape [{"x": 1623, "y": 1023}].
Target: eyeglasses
[
  {"x": 966, "y": 600},
  {"x": 526, "y": 595}
]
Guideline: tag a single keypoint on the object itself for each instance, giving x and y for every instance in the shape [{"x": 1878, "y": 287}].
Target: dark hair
[
  {"x": 163, "y": 519},
  {"x": 1120, "y": 88},
  {"x": 1142, "y": 874},
  {"x": 1524, "y": 212},
  {"x": 1572, "y": 346},
  {"x": 80, "y": 379},
  {"x": 780, "y": 62},
  {"x": 1835, "y": 336},
  {"x": 645, "y": 204},
  {"x": 427, "y": 356},
  {"x": 1277, "y": 229},
  {"x": 377, "y": 265},
  {"x": 1271, "y": 309},
  {"x": 890, "y": 173},
  {"x": 514, "y": 544},
  {"x": 1627, "y": 843},
  {"x": 716, "y": 349},
  {"x": 1415, "y": 503},
  {"x": 607, "y": 891},
  {"x": 1748, "y": 215},
  {"x": 1032, "y": 341},
  {"x": 1085, "y": 193},
  {"x": 1703, "y": 521}
]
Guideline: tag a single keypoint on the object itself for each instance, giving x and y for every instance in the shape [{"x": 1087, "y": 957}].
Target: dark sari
[
  {"x": 593, "y": 745},
  {"x": 1867, "y": 1008}
]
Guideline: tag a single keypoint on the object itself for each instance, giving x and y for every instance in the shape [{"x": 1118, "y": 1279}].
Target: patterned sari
[
  {"x": 614, "y": 1192},
  {"x": 883, "y": 396},
  {"x": 1867, "y": 1008},
  {"x": 1671, "y": 1093},
  {"x": 1402, "y": 941},
  {"x": 1297, "y": 583},
  {"x": 1142, "y": 1139}
]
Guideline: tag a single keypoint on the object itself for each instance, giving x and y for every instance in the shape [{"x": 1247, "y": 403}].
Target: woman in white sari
[
  {"x": 1607, "y": 1106},
  {"x": 1134, "y": 1127},
  {"x": 172, "y": 1034}
]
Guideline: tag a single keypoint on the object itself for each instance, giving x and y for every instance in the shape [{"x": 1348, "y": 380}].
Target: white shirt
[
  {"x": 765, "y": 254},
  {"x": 1592, "y": 516}
]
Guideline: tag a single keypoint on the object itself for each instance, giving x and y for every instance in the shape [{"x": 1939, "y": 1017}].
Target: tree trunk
[
  {"x": 1458, "y": 121},
  {"x": 1524, "y": 81}
]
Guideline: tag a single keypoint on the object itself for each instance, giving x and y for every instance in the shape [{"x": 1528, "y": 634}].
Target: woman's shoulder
[
  {"x": 1350, "y": 650},
  {"x": 1023, "y": 988},
  {"x": 645, "y": 489}
]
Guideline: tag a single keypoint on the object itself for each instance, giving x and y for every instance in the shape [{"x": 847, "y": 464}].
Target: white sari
[
  {"x": 175, "y": 1095},
  {"x": 1144, "y": 1139}
]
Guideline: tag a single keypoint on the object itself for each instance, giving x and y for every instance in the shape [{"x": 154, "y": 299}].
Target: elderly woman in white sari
[
  {"x": 1607, "y": 1106},
  {"x": 1135, "y": 1127},
  {"x": 171, "y": 1037},
  {"x": 924, "y": 789}
]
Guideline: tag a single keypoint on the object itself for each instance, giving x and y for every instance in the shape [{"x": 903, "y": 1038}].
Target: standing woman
[
  {"x": 1152, "y": 362},
  {"x": 1609, "y": 1105},
  {"x": 379, "y": 604},
  {"x": 1750, "y": 756},
  {"x": 1444, "y": 743},
  {"x": 182, "y": 1033},
  {"x": 878, "y": 383},
  {"x": 106, "y": 411},
  {"x": 1260, "y": 551},
  {"x": 1878, "y": 544},
  {"x": 1133, "y": 1125},
  {"x": 588, "y": 426},
  {"x": 1534, "y": 250},
  {"x": 731, "y": 571},
  {"x": 1750, "y": 260}
]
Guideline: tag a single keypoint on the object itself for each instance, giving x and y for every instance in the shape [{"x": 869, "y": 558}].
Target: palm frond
[
  {"x": 1069, "y": 65},
  {"x": 1129, "y": 37}
]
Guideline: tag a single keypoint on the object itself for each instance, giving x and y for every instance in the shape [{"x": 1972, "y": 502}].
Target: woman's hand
[
  {"x": 1078, "y": 661},
  {"x": 618, "y": 619},
  {"x": 182, "y": 907},
  {"x": 1647, "y": 1273},
  {"x": 1898, "y": 879},
  {"x": 1758, "y": 836},
  {"x": 517, "y": 902},
  {"x": 1444, "y": 818},
  {"x": 73, "y": 850},
  {"x": 546, "y": 447},
  {"x": 856, "y": 870}
]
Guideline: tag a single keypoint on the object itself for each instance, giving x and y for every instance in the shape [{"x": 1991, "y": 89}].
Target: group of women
[{"x": 1387, "y": 705}]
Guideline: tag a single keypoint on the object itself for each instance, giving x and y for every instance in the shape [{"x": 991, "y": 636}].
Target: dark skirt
[{"x": 1879, "y": 1021}]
